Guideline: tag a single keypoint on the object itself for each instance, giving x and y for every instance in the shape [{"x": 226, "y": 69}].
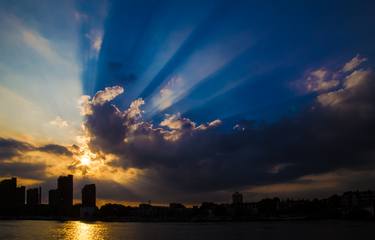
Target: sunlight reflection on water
[
  {"x": 69, "y": 230},
  {"x": 81, "y": 230}
]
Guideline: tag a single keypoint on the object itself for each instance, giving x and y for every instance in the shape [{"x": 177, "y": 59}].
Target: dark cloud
[
  {"x": 55, "y": 149},
  {"x": 10, "y": 148},
  {"x": 25, "y": 170},
  {"x": 335, "y": 132},
  {"x": 107, "y": 189}
]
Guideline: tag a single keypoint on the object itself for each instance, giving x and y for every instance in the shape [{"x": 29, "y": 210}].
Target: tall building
[
  {"x": 65, "y": 189},
  {"x": 34, "y": 196},
  {"x": 10, "y": 194},
  {"x": 88, "y": 208},
  {"x": 61, "y": 199},
  {"x": 53, "y": 197},
  {"x": 89, "y": 195},
  {"x": 7, "y": 192},
  {"x": 237, "y": 198},
  {"x": 20, "y": 196}
]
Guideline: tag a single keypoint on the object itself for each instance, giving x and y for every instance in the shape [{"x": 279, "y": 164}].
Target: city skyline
[
  {"x": 32, "y": 195},
  {"x": 187, "y": 101},
  {"x": 358, "y": 205}
]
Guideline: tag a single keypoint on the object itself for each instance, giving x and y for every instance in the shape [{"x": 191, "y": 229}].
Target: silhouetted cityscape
[{"x": 349, "y": 205}]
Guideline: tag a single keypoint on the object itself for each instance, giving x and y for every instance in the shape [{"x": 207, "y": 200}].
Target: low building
[{"x": 237, "y": 198}]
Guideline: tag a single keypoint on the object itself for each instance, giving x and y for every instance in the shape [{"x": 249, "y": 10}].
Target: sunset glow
[
  {"x": 85, "y": 160},
  {"x": 188, "y": 101}
]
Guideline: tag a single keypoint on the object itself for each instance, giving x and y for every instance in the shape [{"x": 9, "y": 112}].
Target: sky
[{"x": 188, "y": 101}]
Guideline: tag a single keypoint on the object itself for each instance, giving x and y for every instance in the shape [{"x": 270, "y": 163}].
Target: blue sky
[
  {"x": 204, "y": 59},
  {"x": 104, "y": 79},
  {"x": 220, "y": 59}
]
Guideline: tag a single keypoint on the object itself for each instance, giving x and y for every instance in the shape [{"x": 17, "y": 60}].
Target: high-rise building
[
  {"x": 7, "y": 192},
  {"x": 88, "y": 208},
  {"x": 53, "y": 197},
  {"x": 65, "y": 189},
  {"x": 89, "y": 195},
  {"x": 10, "y": 194},
  {"x": 9, "y": 183},
  {"x": 20, "y": 195},
  {"x": 34, "y": 196},
  {"x": 61, "y": 199}
]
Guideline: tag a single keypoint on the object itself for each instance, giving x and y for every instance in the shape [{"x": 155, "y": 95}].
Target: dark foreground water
[{"x": 317, "y": 230}]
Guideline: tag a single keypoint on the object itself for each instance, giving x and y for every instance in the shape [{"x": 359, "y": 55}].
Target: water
[{"x": 181, "y": 231}]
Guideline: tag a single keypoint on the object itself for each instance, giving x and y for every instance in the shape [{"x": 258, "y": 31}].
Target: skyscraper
[
  {"x": 89, "y": 195},
  {"x": 20, "y": 196},
  {"x": 34, "y": 196},
  {"x": 88, "y": 208},
  {"x": 10, "y": 194},
  {"x": 53, "y": 197},
  {"x": 65, "y": 189},
  {"x": 7, "y": 192},
  {"x": 61, "y": 199}
]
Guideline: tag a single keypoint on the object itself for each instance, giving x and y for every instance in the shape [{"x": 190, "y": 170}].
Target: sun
[{"x": 85, "y": 160}]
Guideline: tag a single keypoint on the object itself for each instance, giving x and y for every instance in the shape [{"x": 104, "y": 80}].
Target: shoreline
[{"x": 132, "y": 220}]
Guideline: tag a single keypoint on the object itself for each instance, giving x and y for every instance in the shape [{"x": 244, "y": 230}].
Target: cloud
[
  {"x": 107, "y": 95},
  {"x": 55, "y": 149},
  {"x": 107, "y": 189},
  {"x": 353, "y": 63},
  {"x": 85, "y": 105},
  {"x": 356, "y": 78},
  {"x": 176, "y": 122},
  {"x": 324, "y": 80},
  {"x": 59, "y": 122},
  {"x": 334, "y": 87},
  {"x": 351, "y": 85},
  {"x": 178, "y": 153},
  {"x": 100, "y": 98},
  {"x": 96, "y": 38},
  {"x": 33, "y": 164},
  {"x": 179, "y": 126},
  {"x": 10, "y": 148},
  {"x": 26, "y": 170},
  {"x": 320, "y": 80},
  {"x": 179, "y": 157}
]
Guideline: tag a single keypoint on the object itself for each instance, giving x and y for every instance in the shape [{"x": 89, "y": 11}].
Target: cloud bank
[
  {"x": 10, "y": 148},
  {"x": 321, "y": 147},
  {"x": 332, "y": 133}
]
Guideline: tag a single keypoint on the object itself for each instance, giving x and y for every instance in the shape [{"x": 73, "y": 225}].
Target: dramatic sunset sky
[{"x": 187, "y": 100}]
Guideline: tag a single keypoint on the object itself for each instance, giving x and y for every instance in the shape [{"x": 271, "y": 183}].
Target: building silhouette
[
  {"x": 349, "y": 205},
  {"x": 61, "y": 199},
  {"x": 89, "y": 195},
  {"x": 10, "y": 194},
  {"x": 65, "y": 189},
  {"x": 34, "y": 196},
  {"x": 53, "y": 197},
  {"x": 88, "y": 207},
  {"x": 237, "y": 198}
]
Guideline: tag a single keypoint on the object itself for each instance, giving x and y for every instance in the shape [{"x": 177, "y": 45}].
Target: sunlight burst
[{"x": 85, "y": 160}]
